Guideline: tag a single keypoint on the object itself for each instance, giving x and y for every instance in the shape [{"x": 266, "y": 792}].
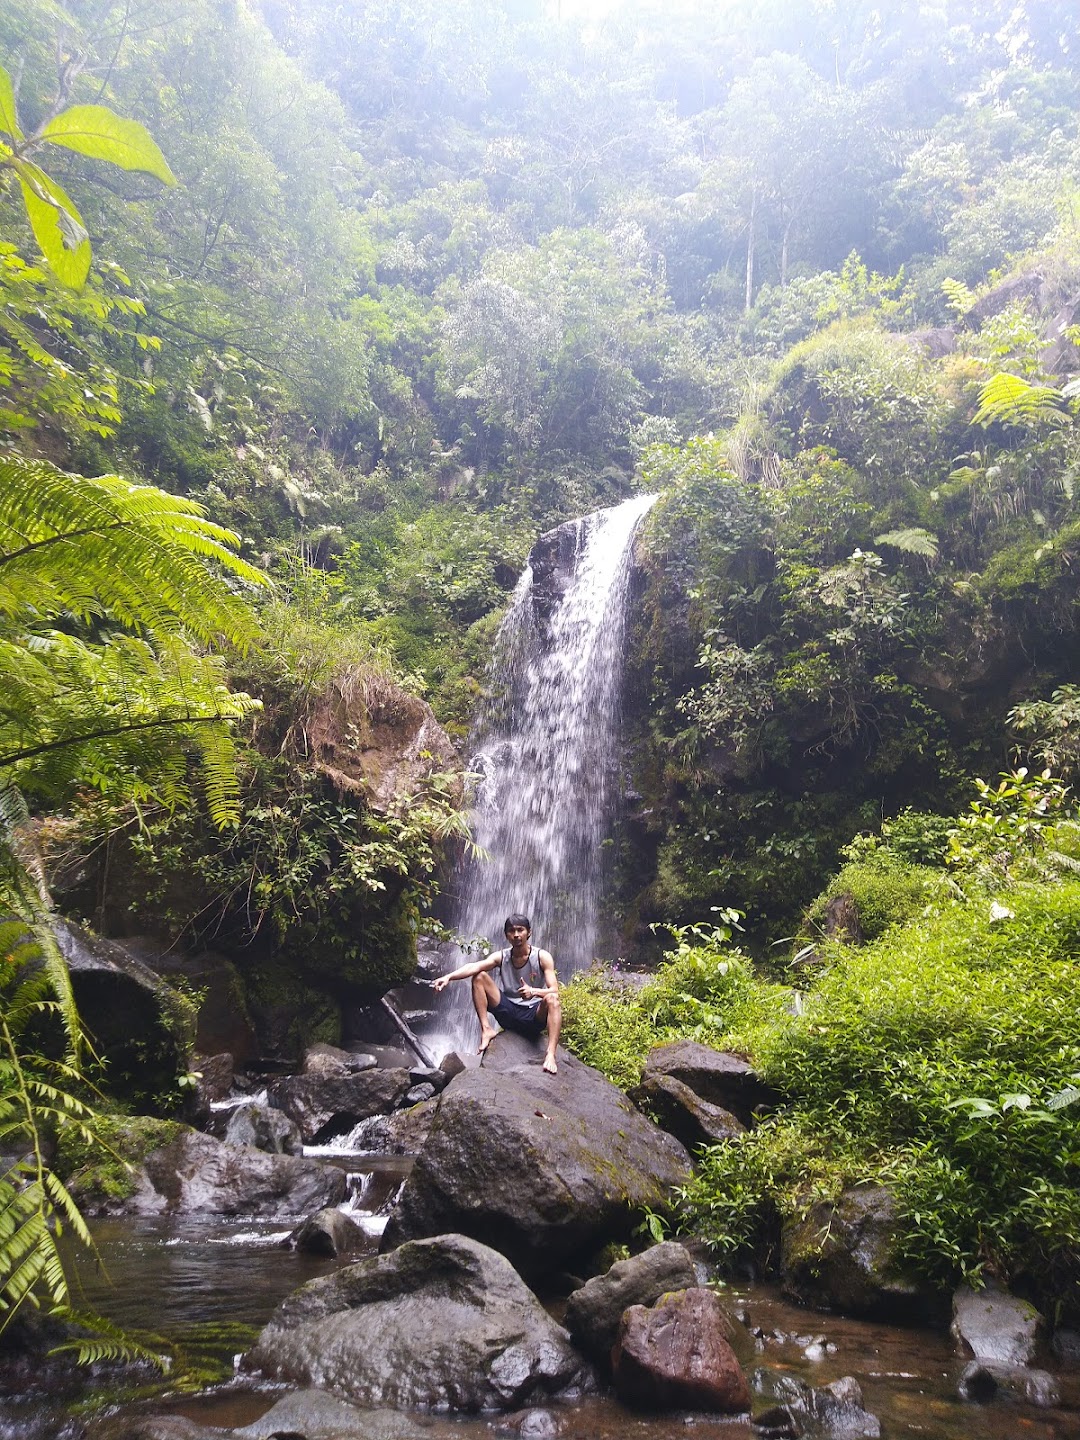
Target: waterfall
[{"x": 545, "y": 751}]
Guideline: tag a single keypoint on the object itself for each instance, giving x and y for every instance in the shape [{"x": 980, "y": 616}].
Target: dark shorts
[{"x": 521, "y": 1018}]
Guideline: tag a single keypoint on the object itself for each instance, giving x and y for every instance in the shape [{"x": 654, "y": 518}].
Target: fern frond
[
  {"x": 913, "y": 541},
  {"x": 1068, "y": 1096},
  {"x": 1008, "y": 400},
  {"x": 69, "y": 543},
  {"x": 107, "y": 1341}
]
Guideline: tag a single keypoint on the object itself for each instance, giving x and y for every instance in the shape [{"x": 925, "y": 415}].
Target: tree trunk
[{"x": 750, "y": 243}]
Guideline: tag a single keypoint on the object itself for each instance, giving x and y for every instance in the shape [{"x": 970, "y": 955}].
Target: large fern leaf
[
  {"x": 1008, "y": 400},
  {"x": 104, "y": 546},
  {"x": 912, "y": 541}
]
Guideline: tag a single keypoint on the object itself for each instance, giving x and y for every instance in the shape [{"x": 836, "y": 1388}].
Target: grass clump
[
  {"x": 942, "y": 1059},
  {"x": 884, "y": 890}
]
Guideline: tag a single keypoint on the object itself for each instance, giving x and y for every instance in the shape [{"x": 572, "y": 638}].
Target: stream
[{"x": 207, "y": 1285}]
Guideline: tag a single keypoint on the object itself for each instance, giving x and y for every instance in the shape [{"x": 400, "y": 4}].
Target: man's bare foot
[
  {"x": 486, "y": 1037},
  {"x": 550, "y": 1066}
]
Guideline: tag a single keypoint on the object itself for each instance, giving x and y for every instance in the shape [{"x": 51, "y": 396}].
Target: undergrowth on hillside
[{"x": 940, "y": 1059}]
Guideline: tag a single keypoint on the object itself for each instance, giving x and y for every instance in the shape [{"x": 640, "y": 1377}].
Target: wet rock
[
  {"x": 327, "y": 1105},
  {"x": 153, "y": 1427},
  {"x": 263, "y": 1129},
  {"x": 216, "y": 1075},
  {"x": 986, "y": 1380},
  {"x": 330, "y": 1232},
  {"x": 418, "y": 1094},
  {"x": 995, "y": 1325},
  {"x": 1066, "y": 1346},
  {"x": 678, "y": 1110},
  {"x": 329, "y": 1060},
  {"x": 841, "y": 1256},
  {"x": 593, "y": 1312},
  {"x": 833, "y": 1412},
  {"x": 194, "y": 1174},
  {"x": 444, "y": 1323},
  {"x": 434, "y": 1076},
  {"x": 530, "y": 1425},
  {"x": 552, "y": 560},
  {"x": 716, "y": 1075},
  {"x": 545, "y": 1168},
  {"x": 316, "y": 1415},
  {"x": 142, "y": 1027},
  {"x": 406, "y": 1131},
  {"x": 452, "y": 1064},
  {"x": 678, "y": 1356}
]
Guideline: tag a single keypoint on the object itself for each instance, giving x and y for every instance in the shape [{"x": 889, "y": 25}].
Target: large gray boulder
[
  {"x": 315, "y": 1415},
  {"x": 195, "y": 1174},
  {"x": 331, "y": 1102},
  {"x": 995, "y": 1325},
  {"x": 593, "y": 1312},
  {"x": 264, "y": 1129},
  {"x": 330, "y": 1232},
  {"x": 545, "y": 1168},
  {"x": 302, "y": 1415},
  {"x": 443, "y": 1323},
  {"x": 717, "y": 1076},
  {"x": 684, "y": 1114},
  {"x": 842, "y": 1256},
  {"x": 986, "y": 1380}
]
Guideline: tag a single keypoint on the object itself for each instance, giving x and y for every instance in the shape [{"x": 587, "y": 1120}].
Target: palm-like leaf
[
  {"x": 150, "y": 574},
  {"x": 912, "y": 541},
  {"x": 1008, "y": 400},
  {"x": 90, "y": 547}
]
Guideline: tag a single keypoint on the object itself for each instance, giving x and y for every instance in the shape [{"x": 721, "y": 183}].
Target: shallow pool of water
[{"x": 207, "y": 1285}]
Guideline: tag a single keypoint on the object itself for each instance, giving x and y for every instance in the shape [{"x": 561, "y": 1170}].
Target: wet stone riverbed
[{"x": 207, "y": 1285}]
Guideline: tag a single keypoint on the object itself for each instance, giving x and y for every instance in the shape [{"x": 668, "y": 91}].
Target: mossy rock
[{"x": 94, "y": 1174}]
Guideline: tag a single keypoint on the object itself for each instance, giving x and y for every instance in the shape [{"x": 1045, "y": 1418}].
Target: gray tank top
[{"x": 510, "y": 977}]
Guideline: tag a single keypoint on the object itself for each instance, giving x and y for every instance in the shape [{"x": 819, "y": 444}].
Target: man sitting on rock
[{"x": 516, "y": 987}]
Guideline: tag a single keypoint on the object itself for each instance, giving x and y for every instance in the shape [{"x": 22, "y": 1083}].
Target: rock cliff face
[
  {"x": 552, "y": 560},
  {"x": 370, "y": 737}
]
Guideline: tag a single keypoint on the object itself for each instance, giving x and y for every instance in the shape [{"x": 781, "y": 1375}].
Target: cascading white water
[{"x": 545, "y": 752}]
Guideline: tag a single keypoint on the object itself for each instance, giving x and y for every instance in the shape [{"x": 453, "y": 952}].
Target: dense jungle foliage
[
  {"x": 939, "y": 1059},
  {"x": 358, "y": 300}
]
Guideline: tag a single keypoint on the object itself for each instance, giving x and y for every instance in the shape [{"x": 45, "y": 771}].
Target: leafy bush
[
  {"x": 704, "y": 990},
  {"x": 926, "y": 1060},
  {"x": 885, "y": 889}
]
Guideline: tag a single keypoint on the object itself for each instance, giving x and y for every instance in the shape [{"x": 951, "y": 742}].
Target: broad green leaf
[
  {"x": 57, "y": 225},
  {"x": 95, "y": 131},
  {"x": 8, "y": 123}
]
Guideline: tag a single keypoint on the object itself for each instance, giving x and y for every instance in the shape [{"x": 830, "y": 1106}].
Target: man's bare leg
[
  {"x": 551, "y": 1009},
  {"x": 484, "y": 993}
]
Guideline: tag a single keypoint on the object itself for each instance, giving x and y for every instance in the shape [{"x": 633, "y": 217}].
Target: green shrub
[
  {"x": 885, "y": 889},
  {"x": 933, "y": 1060}
]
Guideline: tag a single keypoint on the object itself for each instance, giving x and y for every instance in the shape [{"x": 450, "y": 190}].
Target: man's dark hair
[{"x": 517, "y": 920}]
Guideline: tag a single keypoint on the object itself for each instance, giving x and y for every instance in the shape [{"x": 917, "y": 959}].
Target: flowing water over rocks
[{"x": 545, "y": 748}]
